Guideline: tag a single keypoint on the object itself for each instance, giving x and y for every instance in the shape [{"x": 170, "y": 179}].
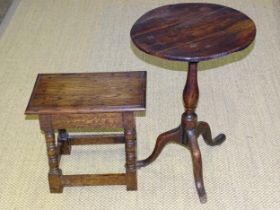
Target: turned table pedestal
[{"x": 191, "y": 32}]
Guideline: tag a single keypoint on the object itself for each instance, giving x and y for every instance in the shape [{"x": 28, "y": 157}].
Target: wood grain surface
[
  {"x": 193, "y": 31},
  {"x": 88, "y": 93}
]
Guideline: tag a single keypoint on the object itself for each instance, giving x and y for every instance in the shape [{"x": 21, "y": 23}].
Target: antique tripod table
[{"x": 191, "y": 32}]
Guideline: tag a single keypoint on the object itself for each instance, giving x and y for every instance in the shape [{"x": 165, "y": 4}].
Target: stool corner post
[{"x": 130, "y": 150}]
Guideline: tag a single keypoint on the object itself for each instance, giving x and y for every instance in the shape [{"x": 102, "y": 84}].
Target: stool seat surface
[
  {"x": 192, "y": 32},
  {"x": 88, "y": 93}
]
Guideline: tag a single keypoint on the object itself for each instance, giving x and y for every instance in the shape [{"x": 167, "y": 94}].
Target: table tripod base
[{"x": 187, "y": 138}]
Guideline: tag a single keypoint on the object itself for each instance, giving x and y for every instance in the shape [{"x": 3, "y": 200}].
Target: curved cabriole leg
[
  {"x": 197, "y": 165},
  {"x": 204, "y": 129},
  {"x": 174, "y": 135}
]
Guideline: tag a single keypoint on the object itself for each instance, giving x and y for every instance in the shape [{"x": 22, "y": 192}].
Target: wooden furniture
[
  {"x": 88, "y": 101},
  {"x": 191, "y": 32}
]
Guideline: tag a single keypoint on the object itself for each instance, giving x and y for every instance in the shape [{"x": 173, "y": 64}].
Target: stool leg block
[
  {"x": 131, "y": 180},
  {"x": 55, "y": 183}
]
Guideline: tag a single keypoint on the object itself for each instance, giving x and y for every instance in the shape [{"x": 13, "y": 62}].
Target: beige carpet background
[{"x": 239, "y": 95}]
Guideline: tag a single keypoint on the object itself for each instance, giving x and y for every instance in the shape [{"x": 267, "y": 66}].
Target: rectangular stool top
[{"x": 82, "y": 93}]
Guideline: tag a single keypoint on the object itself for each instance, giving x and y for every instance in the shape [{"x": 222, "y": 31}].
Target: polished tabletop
[
  {"x": 193, "y": 32},
  {"x": 88, "y": 93}
]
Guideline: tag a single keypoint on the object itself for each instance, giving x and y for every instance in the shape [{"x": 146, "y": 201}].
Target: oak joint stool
[{"x": 88, "y": 101}]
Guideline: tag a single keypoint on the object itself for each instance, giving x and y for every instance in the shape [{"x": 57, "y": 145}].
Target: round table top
[{"x": 193, "y": 32}]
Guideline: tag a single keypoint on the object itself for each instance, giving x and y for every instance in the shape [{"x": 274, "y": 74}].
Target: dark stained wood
[
  {"x": 97, "y": 139},
  {"x": 191, "y": 92},
  {"x": 93, "y": 120},
  {"x": 55, "y": 172},
  {"x": 188, "y": 132},
  {"x": 131, "y": 150},
  {"x": 193, "y": 31},
  {"x": 88, "y": 93},
  {"x": 174, "y": 135},
  {"x": 197, "y": 164},
  {"x": 204, "y": 129},
  {"x": 189, "y": 124},
  {"x": 93, "y": 179},
  {"x": 89, "y": 101},
  {"x": 63, "y": 142}
]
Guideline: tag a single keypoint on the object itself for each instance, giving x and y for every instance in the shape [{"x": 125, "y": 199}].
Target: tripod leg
[
  {"x": 197, "y": 165},
  {"x": 204, "y": 129},
  {"x": 174, "y": 135}
]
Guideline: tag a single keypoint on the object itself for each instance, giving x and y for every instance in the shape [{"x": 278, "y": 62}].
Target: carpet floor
[{"x": 239, "y": 96}]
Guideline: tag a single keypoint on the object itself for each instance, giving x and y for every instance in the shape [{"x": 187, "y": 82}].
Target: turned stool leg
[
  {"x": 130, "y": 151},
  {"x": 55, "y": 173}
]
